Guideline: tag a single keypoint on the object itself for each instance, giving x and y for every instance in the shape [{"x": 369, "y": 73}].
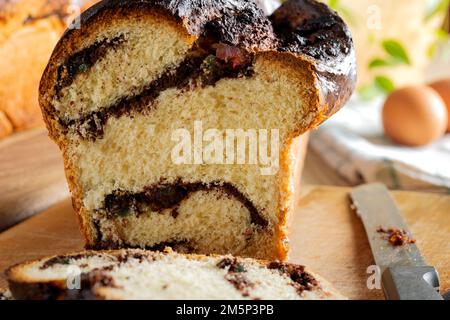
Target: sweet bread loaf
[
  {"x": 29, "y": 30},
  {"x": 138, "y": 274},
  {"x": 177, "y": 119}
]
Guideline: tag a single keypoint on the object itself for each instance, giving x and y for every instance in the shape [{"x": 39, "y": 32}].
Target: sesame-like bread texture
[
  {"x": 179, "y": 120},
  {"x": 136, "y": 274}
]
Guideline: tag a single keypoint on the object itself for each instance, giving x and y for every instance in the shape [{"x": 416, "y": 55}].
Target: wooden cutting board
[
  {"x": 325, "y": 235},
  {"x": 31, "y": 176}
]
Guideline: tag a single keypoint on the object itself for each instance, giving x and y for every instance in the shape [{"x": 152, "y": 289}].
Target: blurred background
[{"x": 393, "y": 130}]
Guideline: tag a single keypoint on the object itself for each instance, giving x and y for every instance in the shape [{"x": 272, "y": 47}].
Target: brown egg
[
  {"x": 414, "y": 116},
  {"x": 443, "y": 88}
]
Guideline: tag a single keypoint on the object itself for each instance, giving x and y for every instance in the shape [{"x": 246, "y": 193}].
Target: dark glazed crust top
[
  {"x": 241, "y": 23},
  {"x": 309, "y": 28},
  {"x": 305, "y": 29}
]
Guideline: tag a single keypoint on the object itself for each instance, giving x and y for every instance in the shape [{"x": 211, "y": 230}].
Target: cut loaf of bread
[
  {"x": 117, "y": 92},
  {"x": 138, "y": 274}
]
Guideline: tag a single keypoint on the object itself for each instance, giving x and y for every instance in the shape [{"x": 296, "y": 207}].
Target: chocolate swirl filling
[
  {"x": 162, "y": 196},
  {"x": 203, "y": 66},
  {"x": 169, "y": 196}
]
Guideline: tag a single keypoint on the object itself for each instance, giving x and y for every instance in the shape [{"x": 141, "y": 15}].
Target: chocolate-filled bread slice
[
  {"x": 146, "y": 275},
  {"x": 151, "y": 103}
]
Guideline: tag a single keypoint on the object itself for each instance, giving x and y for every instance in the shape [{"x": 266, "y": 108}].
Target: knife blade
[{"x": 404, "y": 272}]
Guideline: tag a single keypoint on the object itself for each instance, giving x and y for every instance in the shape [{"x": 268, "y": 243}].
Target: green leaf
[
  {"x": 346, "y": 13},
  {"x": 396, "y": 50},
  {"x": 441, "y": 34},
  {"x": 380, "y": 85},
  {"x": 378, "y": 63},
  {"x": 432, "y": 49},
  {"x": 368, "y": 92},
  {"x": 441, "y": 37},
  {"x": 334, "y": 4},
  {"x": 439, "y": 6},
  {"x": 384, "y": 84}
]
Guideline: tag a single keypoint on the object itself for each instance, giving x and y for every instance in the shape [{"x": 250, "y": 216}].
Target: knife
[{"x": 404, "y": 272}]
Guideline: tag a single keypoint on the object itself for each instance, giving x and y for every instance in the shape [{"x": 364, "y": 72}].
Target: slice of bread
[
  {"x": 178, "y": 119},
  {"x": 138, "y": 274}
]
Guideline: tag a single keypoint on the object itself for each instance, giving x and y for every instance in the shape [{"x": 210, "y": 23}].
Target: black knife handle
[{"x": 411, "y": 283}]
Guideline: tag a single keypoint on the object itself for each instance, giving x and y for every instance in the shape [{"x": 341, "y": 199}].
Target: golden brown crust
[{"x": 86, "y": 226}]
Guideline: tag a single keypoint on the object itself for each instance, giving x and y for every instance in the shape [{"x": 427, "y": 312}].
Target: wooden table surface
[
  {"x": 31, "y": 176},
  {"x": 317, "y": 172},
  {"x": 324, "y": 234}
]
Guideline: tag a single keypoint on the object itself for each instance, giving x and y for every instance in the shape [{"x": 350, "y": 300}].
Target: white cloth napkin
[{"x": 352, "y": 143}]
